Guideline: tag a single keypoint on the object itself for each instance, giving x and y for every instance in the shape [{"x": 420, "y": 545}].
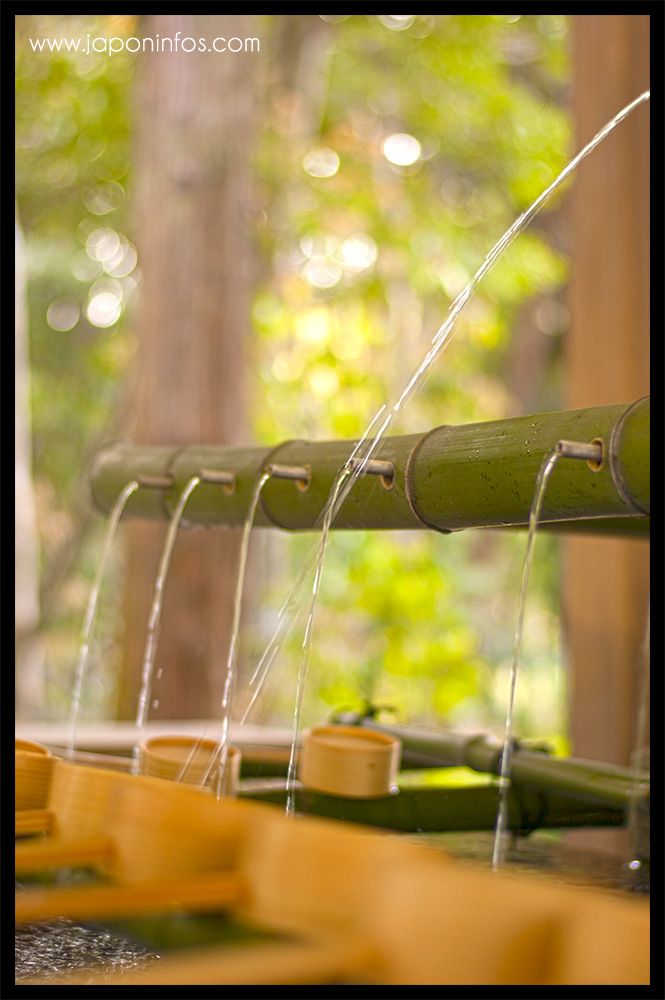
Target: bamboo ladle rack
[{"x": 345, "y": 902}]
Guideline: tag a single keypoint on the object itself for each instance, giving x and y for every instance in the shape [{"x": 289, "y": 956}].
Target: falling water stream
[
  {"x": 385, "y": 417},
  {"x": 546, "y": 469},
  {"x": 91, "y": 612},
  {"x": 229, "y": 677},
  {"x": 313, "y": 561},
  {"x": 306, "y": 649},
  {"x": 156, "y": 610},
  {"x": 344, "y": 482},
  {"x": 219, "y": 758}
]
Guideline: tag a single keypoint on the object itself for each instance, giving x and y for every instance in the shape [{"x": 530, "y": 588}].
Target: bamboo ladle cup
[
  {"x": 193, "y": 761},
  {"x": 137, "y": 829},
  {"x": 349, "y": 761},
  {"x": 33, "y": 764}
]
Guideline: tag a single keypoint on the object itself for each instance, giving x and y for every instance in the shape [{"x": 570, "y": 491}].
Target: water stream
[
  {"x": 229, "y": 676},
  {"x": 544, "y": 473},
  {"x": 344, "y": 482},
  {"x": 91, "y": 613},
  {"x": 313, "y": 561},
  {"x": 306, "y": 649},
  {"x": 156, "y": 610},
  {"x": 386, "y": 416}
]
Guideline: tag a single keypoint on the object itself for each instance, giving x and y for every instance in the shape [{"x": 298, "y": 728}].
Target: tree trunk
[
  {"x": 606, "y": 582},
  {"x": 194, "y": 123}
]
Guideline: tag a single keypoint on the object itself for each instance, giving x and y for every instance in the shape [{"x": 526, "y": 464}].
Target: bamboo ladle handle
[
  {"x": 208, "y": 891},
  {"x": 31, "y": 821},
  {"x": 56, "y": 853}
]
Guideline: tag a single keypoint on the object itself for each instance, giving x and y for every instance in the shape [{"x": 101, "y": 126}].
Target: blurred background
[{"x": 255, "y": 245}]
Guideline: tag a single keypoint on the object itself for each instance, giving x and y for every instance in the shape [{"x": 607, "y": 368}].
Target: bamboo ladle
[{"x": 136, "y": 829}]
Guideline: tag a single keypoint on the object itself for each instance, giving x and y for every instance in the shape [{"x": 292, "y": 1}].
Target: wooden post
[
  {"x": 194, "y": 118},
  {"x": 606, "y": 580}
]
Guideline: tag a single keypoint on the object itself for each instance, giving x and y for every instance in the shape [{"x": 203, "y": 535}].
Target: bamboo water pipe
[
  {"x": 593, "y": 783},
  {"x": 448, "y": 479},
  {"x": 546, "y": 791},
  {"x": 432, "y": 809}
]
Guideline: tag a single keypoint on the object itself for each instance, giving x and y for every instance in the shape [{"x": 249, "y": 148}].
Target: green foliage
[
  {"x": 480, "y": 95},
  {"x": 483, "y": 96},
  {"x": 362, "y": 256},
  {"x": 72, "y": 163}
]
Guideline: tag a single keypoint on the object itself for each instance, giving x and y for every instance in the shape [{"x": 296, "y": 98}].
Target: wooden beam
[{"x": 606, "y": 580}]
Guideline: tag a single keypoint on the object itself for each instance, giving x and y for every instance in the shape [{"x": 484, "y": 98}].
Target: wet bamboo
[
  {"x": 595, "y": 784},
  {"x": 429, "y": 809},
  {"x": 452, "y": 477}
]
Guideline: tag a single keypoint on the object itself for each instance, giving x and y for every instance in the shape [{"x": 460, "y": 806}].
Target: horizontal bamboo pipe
[
  {"x": 429, "y": 809},
  {"x": 452, "y": 477},
  {"x": 603, "y": 785}
]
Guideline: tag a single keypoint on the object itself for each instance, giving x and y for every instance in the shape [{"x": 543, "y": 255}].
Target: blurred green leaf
[{"x": 359, "y": 267}]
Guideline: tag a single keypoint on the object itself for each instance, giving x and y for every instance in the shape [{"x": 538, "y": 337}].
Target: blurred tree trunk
[
  {"x": 194, "y": 126},
  {"x": 606, "y": 581}
]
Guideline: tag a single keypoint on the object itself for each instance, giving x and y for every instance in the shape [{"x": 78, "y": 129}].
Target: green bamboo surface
[
  {"x": 451, "y": 478},
  {"x": 583, "y": 785},
  {"x": 431, "y": 809},
  {"x": 545, "y": 791}
]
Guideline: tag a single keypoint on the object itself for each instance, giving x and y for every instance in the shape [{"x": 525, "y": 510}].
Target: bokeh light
[
  {"x": 321, "y": 162},
  {"x": 63, "y": 315},
  {"x": 401, "y": 149},
  {"x": 105, "y": 303}
]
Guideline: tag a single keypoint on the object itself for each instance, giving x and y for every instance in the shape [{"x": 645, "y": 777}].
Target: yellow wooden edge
[
  {"x": 28, "y": 822},
  {"x": 429, "y": 919},
  {"x": 52, "y": 852},
  {"x": 210, "y": 891}
]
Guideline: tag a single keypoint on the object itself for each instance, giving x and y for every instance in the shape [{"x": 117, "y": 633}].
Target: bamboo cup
[
  {"x": 190, "y": 760},
  {"x": 306, "y": 873},
  {"x": 81, "y": 805},
  {"x": 135, "y": 826},
  {"x": 465, "y": 925},
  {"x": 417, "y": 918},
  {"x": 32, "y": 775},
  {"x": 83, "y": 798},
  {"x": 349, "y": 761}
]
